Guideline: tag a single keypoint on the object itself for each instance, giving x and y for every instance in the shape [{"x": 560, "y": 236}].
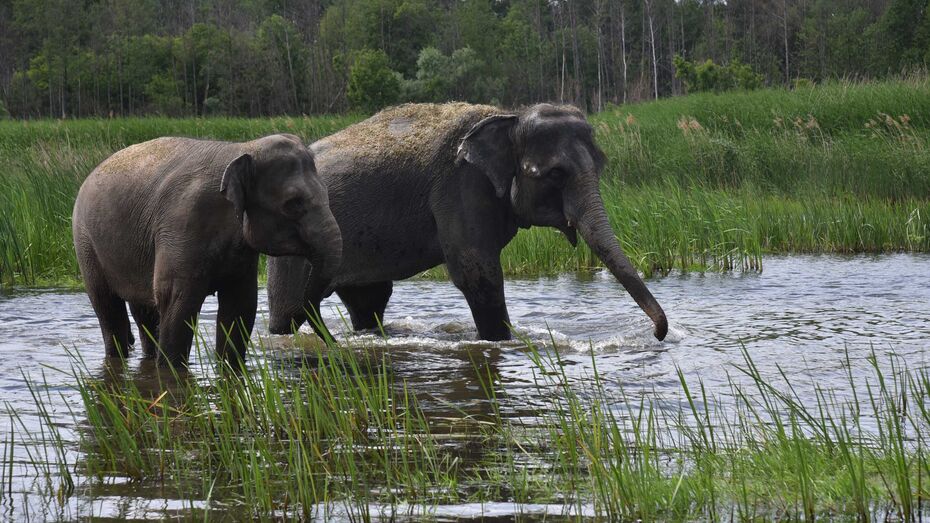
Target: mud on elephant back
[
  {"x": 162, "y": 224},
  {"x": 418, "y": 185}
]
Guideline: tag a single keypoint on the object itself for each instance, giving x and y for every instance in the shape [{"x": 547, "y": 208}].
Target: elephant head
[
  {"x": 545, "y": 161},
  {"x": 281, "y": 203}
]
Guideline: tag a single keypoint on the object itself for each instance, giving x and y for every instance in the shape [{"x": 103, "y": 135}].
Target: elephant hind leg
[
  {"x": 366, "y": 303},
  {"x": 108, "y": 306},
  {"x": 114, "y": 321},
  {"x": 147, "y": 321}
]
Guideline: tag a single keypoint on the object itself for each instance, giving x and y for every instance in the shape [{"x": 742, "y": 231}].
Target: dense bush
[
  {"x": 442, "y": 77},
  {"x": 708, "y": 76},
  {"x": 372, "y": 83}
]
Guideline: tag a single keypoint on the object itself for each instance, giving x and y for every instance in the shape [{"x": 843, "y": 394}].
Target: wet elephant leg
[
  {"x": 147, "y": 321},
  {"x": 114, "y": 321},
  {"x": 479, "y": 276},
  {"x": 179, "y": 303},
  {"x": 235, "y": 319},
  {"x": 110, "y": 310},
  {"x": 366, "y": 303}
]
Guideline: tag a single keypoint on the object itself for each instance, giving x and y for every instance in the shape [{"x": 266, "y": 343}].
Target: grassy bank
[
  {"x": 335, "y": 429},
  {"x": 701, "y": 181}
]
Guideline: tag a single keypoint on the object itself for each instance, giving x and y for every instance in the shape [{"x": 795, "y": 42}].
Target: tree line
[{"x": 79, "y": 58}]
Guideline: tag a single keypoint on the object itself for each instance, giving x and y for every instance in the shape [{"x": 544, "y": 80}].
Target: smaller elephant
[{"x": 163, "y": 224}]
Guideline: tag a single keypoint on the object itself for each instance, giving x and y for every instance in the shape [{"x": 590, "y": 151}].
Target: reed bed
[
  {"x": 334, "y": 429},
  {"x": 705, "y": 181}
]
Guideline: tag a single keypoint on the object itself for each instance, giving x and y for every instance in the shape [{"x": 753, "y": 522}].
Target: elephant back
[{"x": 405, "y": 134}]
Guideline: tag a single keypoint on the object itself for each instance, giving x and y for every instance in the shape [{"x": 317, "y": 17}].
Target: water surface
[{"x": 804, "y": 316}]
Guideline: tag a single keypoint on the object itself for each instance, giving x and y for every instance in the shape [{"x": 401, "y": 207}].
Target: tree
[
  {"x": 897, "y": 35},
  {"x": 708, "y": 76},
  {"x": 372, "y": 82}
]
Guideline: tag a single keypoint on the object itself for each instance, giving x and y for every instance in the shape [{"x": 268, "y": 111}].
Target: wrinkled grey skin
[
  {"x": 420, "y": 185},
  {"x": 163, "y": 224}
]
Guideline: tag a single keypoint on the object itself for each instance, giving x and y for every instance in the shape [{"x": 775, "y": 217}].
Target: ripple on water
[{"x": 803, "y": 314}]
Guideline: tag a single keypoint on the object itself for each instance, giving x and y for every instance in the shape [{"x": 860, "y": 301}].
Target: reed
[
  {"x": 334, "y": 428},
  {"x": 705, "y": 181}
]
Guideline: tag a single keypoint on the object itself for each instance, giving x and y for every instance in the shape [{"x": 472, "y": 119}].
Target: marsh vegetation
[
  {"x": 707, "y": 181},
  {"x": 765, "y": 402}
]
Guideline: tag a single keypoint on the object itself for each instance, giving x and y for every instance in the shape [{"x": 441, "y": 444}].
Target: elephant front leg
[
  {"x": 479, "y": 276},
  {"x": 146, "y": 318},
  {"x": 178, "y": 306},
  {"x": 235, "y": 319}
]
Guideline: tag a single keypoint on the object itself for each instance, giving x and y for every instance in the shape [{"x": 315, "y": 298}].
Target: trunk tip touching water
[
  {"x": 661, "y": 323},
  {"x": 597, "y": 233}
]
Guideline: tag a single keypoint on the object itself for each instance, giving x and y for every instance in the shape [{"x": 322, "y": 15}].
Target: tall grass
[
  {"x": 868, "y": 139},
  {"x": 667, "y": 226},
  {"x": 335, "y": 427},
  {"x": 700, "y": 181}
]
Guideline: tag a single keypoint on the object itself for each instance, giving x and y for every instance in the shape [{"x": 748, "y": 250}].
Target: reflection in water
[{"x": 803, "y": 314}]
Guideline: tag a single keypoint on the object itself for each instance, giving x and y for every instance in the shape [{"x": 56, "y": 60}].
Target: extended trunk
[{"x": 591, "y": 221}]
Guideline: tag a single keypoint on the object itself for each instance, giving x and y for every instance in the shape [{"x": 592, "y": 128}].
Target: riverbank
[{"x": 707, "y": 181}]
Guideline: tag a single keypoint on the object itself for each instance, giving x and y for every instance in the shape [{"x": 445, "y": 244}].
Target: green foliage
[
  {"x": 441, "y": 77},
  {"x": 162, "y": 93},
  {"x": 708, "y": 76},
  {"x": 700, "y": 181},
  {"x": 898, "y": 35},
  {"x": 372, "y": 83},
  {"x": 4, "y": 114},
  {"x": 260, "y": 57}
]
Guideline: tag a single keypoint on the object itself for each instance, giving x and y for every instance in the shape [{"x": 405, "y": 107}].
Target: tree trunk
[
  {"x": 623, "y": 49},
  {"x": 784, "y": 4},
  {"x": 652, "y": 46}
]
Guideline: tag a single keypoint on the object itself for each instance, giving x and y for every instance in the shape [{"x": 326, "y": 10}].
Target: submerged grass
[
  {"x": 335, "y": 429},
  {"x": 700, "y": 181}
]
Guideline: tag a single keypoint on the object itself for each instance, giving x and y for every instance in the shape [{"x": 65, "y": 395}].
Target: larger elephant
[
  {"x": 418, "y": 185},
  {"x": 163, "y": 224}
]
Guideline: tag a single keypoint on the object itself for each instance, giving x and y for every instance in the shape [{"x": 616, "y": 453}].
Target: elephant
[
  {"x": 418, "y": 185},
  {"x": 162, "y": 224}
]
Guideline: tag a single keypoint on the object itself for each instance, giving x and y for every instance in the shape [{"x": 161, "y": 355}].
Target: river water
[{"x": 803, "y": 315}]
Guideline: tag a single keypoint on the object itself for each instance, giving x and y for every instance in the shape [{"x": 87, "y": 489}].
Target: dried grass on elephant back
[{"x": 409, "y": 132}]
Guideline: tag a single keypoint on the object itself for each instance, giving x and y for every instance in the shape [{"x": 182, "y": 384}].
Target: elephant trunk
[
  {"x": 289, "y": 276},
  {"x": 326, "y": 256},
  {"x": 590, "y": 218},
  {"x": 287, "y": 283}
]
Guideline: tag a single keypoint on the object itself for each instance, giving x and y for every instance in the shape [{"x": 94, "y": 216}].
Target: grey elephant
[
  {"x": 418, "y": 185},
  {"x": 163, "y": 224}
]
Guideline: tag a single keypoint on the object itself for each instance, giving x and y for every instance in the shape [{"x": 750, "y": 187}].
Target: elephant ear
[
  {"x": 488, "y": 145},
  {"x": 236, "y": 177}
]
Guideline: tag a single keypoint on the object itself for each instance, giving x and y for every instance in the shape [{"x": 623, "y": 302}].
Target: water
[{"x": 803, "y": 314}]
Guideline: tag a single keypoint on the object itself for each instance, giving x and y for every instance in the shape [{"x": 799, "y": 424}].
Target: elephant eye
[{"x": 294, "y": 207}]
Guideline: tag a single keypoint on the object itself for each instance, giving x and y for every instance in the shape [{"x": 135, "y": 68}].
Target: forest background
[{"x": 81, "y": 58}]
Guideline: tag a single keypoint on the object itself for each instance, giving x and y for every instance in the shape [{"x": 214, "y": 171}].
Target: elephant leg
[
  {"x": 179, "y": 303},
  {"x": 146, "y": 318},
  {"x": 366, "y": 303},
  {"x": 114, "y": 321},
  {"x": 235, "y": 319},
  {"x": 479, "y": 276},
  {"x": 109, "y": 308}
]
